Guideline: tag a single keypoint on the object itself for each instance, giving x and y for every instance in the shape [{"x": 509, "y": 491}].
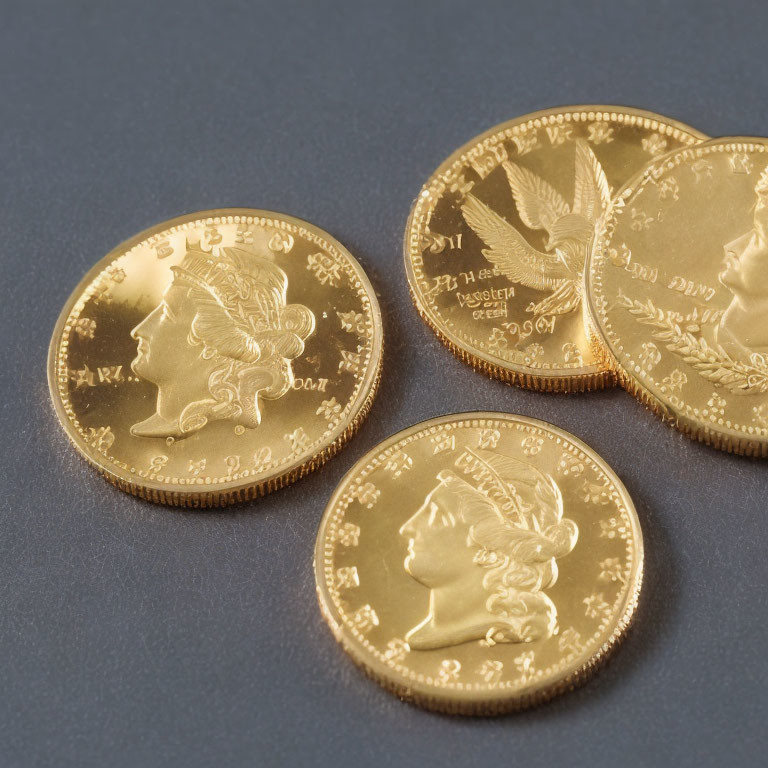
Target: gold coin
[
  {"x": 480, "y": 562},
  {"x": 677, "y": 291},
  {"x": 216, "y": 356},
  {"x": 496, "y": 241}
]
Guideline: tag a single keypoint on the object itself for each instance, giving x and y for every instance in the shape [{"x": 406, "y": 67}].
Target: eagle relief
[{"x": 557, "y": 271}]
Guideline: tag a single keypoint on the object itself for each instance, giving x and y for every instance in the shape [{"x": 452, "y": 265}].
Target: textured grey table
[{"x": 135, "y": 635}]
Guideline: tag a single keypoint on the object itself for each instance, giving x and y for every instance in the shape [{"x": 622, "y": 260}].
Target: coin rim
[
  {"x": 220, "y": 494},
  {"x": 722, "y": 438},
  {"x": 478, "y": 702},
  {"x": 588, "y": 378}
]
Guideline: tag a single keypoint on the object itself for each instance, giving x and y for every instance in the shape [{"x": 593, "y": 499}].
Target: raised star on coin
[
  {"x": 497, "y": 239},
  {"x": 501, "y": 573}
]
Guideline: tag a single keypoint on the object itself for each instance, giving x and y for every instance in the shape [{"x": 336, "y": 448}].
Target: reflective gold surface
[
  {"x": 216, "y": 356},
  {"x": 479, "y": 562},
  {"x": 678, "y": 291},
  {"x": 496, "y": 241}
]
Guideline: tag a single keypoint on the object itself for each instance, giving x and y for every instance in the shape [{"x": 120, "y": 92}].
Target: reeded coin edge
[
  {"x": 483, "y": 702},
  {"x": 589, "y": 378},
  {"x": 237, "y": 490},
  {"x": 608, "y": 348}
]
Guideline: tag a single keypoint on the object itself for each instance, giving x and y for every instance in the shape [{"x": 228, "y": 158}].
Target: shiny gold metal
[
  {"x": 216, "y": 356},
  {"x": 479, "y": 562},
  {"x": 677, "y": 291},
  {"x": 496, "y": 241}
]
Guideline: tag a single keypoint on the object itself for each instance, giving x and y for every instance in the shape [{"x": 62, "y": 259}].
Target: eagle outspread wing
[
  {"x": 509, "y": 251},
  {"x": 592, "y": 193},
  {"x": 538, "y": 203}
]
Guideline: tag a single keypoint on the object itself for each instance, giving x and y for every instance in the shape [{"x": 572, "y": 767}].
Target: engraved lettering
[
  {"x": 262, "y": 459},
  {"x": 690, "y": 288},
  {"x": 100, "y": 438},
  {"x": 488, "y": 160},
  {"x": 163, "y": 250},
  {"x": 281, "y": 242},
  {"x": 559, "y": 134},
  {"x": 449, "y": 671}
]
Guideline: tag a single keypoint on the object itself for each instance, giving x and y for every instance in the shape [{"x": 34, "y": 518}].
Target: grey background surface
[{"x": 135, "y": 635}]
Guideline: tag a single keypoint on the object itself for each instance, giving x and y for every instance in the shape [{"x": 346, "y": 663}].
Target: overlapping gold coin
[
  {"x": 479, "y": 562},
  {"x": 677, "y": 291},
  {"x": 497, "y": 238},
  {"x": 216, "y": 356}
]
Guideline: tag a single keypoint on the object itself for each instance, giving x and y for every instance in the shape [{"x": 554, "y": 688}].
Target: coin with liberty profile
[
  {"x": 479, "y": 563},
  {"x": 216, "y": 357}
]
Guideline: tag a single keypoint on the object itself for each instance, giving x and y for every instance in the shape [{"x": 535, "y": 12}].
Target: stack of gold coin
[
  {"x": 475, "y": 563},
  {"x": 497, "y": 239}
]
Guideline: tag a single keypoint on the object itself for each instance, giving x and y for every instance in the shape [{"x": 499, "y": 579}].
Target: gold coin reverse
[
  {"x": 497, "y": 238},
  {"x": 677, "y": 291},
  {"x": 478, "y": 563},
  {"x": 216, "y": 356}
]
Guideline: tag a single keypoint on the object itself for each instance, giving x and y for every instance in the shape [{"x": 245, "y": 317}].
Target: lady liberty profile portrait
[
  {"x": 743, "y": 328},
  {"x": 486, "y": 545},
  {"x": 222, "y": 339}
]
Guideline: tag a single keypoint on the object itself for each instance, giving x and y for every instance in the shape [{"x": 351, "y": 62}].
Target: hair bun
[{"x": 297, "y": 319}]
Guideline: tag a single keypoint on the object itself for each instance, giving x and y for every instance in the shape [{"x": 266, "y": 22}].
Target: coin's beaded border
[
  {"x": 608, "y": 346},
  {"x": 516, "y": 699},
  {"x": 589, "y": 378},
  {"x": 259, "y": 483}
]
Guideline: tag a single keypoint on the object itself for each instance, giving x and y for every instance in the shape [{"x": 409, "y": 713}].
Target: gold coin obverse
[
  {"x": 677, "y": 291},
  {"x": 216, "y": 356},
  {"x": 479, "y": 563},
  {"x": 497, "y": 239}
]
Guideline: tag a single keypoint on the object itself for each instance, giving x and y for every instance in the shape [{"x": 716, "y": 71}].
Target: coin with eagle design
[{"x": 497, "y": 238}]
